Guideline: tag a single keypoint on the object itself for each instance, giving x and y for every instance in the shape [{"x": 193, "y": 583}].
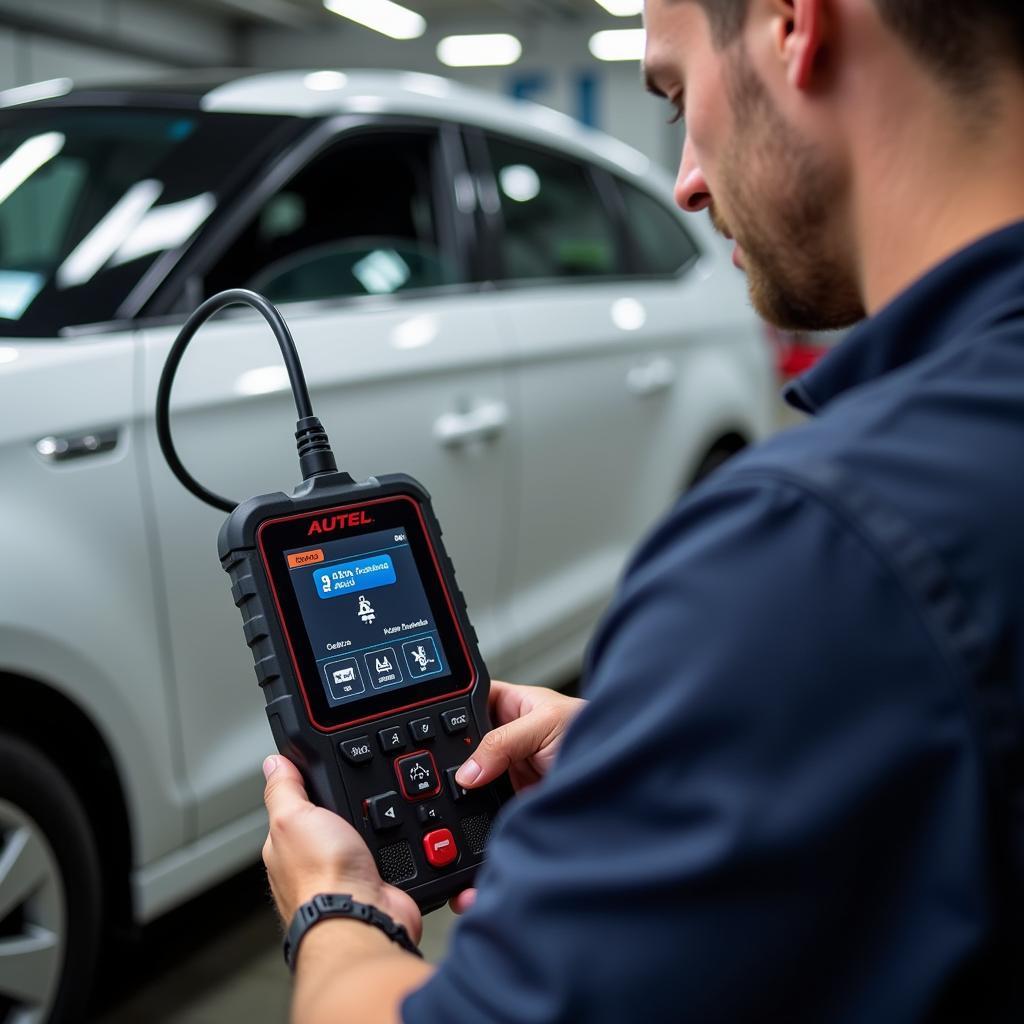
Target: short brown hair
[{"x": 956, "y": 40}]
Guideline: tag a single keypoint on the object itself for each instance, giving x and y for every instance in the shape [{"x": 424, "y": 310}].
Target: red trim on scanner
[{"x": 287, "y": 635}]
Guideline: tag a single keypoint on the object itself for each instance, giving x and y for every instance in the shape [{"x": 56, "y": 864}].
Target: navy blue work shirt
[{"x": 796, "y": 793}]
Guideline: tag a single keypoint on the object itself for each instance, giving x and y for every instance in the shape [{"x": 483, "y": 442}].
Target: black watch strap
[{"x": 328, "y": 905}]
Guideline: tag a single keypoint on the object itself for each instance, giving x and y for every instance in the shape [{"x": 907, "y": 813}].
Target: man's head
[{"x": 787, "y": 104}]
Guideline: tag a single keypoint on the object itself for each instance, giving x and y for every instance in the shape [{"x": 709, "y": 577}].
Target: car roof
[{"x": 326, "y": 92}]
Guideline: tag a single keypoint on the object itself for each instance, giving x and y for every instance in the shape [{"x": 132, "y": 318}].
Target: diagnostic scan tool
[{"x": 373, "y": 682}]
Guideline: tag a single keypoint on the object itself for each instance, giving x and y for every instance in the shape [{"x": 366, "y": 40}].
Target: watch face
[{"x": 365, "y": 610}]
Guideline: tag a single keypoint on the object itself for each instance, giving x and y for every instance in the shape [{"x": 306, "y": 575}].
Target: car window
[
  {"x": 360, "y": 219},
  {"x": 661, "y": 244},
  {"x": 555, "y": 224},
  {"x": 90, "y": 198}
]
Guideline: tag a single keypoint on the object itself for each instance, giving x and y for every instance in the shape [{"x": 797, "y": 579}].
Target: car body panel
[{"x": 77, "y": 571}]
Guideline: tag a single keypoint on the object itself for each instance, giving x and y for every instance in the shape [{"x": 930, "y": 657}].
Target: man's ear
[{"x": 798, "y": 30}]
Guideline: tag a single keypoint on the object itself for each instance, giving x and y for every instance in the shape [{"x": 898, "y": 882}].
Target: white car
[{"x": 484, "y": 295}]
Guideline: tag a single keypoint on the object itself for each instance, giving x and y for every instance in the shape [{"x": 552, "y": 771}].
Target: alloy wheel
[{"x": 33, "y": 920}]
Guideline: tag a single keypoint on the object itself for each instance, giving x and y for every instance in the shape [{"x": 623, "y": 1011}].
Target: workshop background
[{"x": 665, "y": 355}]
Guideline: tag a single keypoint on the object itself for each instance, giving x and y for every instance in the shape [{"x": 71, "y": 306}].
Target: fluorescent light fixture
[
  {"x": 384, "y": 16},
  {"x": 27, "y": 159},
  {"x": 495, "y": 50},
  {"x": 47, "y": 90},
  {"x": 619, "y": 44},
  {"x": 519, "y": 182},
  {"x": 623, "y": 8},
  {"x": 264, "y": 380},
  {"x": 164, "y": 227},
  {"x": 325, "y": 81},
  {"x": 93, "y": 251}
]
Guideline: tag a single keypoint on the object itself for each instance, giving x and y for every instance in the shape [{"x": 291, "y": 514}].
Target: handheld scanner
[{"x": 374, "y": 684}]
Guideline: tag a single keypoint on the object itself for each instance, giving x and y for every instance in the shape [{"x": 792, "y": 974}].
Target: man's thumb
[{"x": 284, "y": 784}]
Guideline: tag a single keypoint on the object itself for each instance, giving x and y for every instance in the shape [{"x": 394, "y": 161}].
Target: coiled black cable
[{"x": 314, "y": 448}]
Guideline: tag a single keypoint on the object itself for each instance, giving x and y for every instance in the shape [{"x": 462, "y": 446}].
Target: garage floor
[{"x": 216, "y": 960}]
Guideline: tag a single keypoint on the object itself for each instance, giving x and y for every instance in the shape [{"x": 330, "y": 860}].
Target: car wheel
[{"x": 50, "y": 900}]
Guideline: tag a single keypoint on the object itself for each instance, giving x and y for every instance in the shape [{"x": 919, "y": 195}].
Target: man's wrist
[{"x": 324, "y": 907}]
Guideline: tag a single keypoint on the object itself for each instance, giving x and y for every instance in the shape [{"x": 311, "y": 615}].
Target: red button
[{"x": 440, "y": 848}]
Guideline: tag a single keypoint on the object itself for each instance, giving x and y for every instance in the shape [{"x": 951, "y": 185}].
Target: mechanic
[{"x": 795, "y": 792}]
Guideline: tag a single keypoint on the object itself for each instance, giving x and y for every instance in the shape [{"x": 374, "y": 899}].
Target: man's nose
[{"x": 692, "y": 193}]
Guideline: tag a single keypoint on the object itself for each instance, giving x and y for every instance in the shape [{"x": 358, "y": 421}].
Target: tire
[{"x": 50, "y": 892}]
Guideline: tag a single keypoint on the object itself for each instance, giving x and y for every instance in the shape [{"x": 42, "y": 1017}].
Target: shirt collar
[{"x": 966, "y": 291}]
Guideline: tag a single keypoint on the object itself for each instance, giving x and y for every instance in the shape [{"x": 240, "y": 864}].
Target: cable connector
[{"x": 315, "y": 455}]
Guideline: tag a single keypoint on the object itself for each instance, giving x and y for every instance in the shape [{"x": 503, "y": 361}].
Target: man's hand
[
  {"x": 311, "y": 850},
  {"x": 530, "y": 722}
]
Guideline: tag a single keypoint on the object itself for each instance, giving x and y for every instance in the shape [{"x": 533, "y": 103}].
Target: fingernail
[
  {"x": 468, "y": 773},
  {"x": 269, "y": 767}
]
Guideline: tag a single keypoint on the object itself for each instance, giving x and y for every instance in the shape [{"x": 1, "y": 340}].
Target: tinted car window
[
  {"x": 360, "y": 219},
  {"x": 661, "y": 243},
  {"x": 90, "y": 198},
  {"x": 555, "y": 223}
]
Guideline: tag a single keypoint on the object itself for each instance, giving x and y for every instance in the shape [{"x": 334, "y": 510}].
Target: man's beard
[{"x": 781, "y": 198}]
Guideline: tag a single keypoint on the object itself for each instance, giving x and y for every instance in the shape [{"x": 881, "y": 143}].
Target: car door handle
[
  {"x": 482, "y": 423},
  {"x": 65, "y": 449},
  {"x": 657, "y": 375}
]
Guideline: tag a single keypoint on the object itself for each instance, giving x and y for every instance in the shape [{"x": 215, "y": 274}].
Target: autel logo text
[{"x": 339, "y": 522}]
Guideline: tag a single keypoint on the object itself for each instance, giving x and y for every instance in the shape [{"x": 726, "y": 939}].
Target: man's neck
[{"x": 931, "y": 187}]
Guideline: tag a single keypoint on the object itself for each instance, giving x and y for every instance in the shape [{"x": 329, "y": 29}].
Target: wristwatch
[{"x": 327, "y": 905}]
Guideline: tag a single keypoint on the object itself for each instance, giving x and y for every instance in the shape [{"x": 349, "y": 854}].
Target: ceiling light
[
  {"x": 623, "y": 8},
  {"x": 495, "y": 50},
  {"x": 325, "y": 81},
  {"x": 47, "y": 90},
  {"x": 384, "y": 16},
  {"x": 619, "y": 44}
]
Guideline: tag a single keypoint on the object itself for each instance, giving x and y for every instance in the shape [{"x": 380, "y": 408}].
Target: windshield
[{"x": 89, "y": 199}]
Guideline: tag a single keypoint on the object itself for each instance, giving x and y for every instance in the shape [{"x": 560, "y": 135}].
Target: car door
[
  {"x": 360, "y": 248},
  {"x": 595, "y": 387}
]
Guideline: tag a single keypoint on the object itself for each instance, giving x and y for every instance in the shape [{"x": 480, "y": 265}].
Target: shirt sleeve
[{"x": 766, "y": 811}]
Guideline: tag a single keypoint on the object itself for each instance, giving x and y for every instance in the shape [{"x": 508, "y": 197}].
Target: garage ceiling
[{"x": 308, "y": 12}]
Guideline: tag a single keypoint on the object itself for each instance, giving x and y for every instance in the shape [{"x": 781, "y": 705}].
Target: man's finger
[
  {"x": 284, "y": 790},
  {"x": 462, "y": 901},
  {"x": 507, "y": 745}
]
